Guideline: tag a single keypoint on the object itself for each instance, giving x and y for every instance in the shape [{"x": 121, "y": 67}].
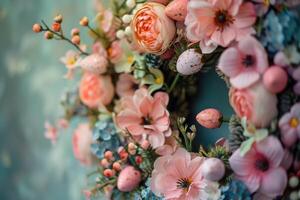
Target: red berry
[{"x": 138, "y": 159}]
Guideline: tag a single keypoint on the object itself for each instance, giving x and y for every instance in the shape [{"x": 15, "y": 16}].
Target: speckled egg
[
  {"x": 177, "y": 10},
  {"x": 189, "y": 62},
  {"x": 129, "y": 179},
  {"x": 275, "y": 79},
  {"x": 213, "y": 169}
]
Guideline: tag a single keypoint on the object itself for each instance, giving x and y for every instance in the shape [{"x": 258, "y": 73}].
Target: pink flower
[
  {"x": 260, "y": 168},
  {"x": 244, "y": 63},
  {"x": 107, "y": 23},
  {"x": 221, "y": 21},
  {"x": 82, "y": 140},
  {"x": 96, "y": 90},
  {"x": 290, "y": 126},
  {"x": 51, "y": 132},
  {"x": 115, "y": 52},
  {"x": 146, "y": 117},
  {"x": 256, "y": 103},
  {"x": 179, "y": 177},
  {"x": 126, "y": 85},
  {"x": 152, "y": 30},
  {"x": 168, "y": 148},
  {"x": 96, "y": 62},
  {"x": 71, "y": 60}
]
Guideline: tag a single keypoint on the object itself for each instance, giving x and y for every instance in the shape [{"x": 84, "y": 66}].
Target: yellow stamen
[
  {"x": 294, "y": 122},
  {"x": 267, "y": 2},
  {"x": 71, "y": 61},
  {"x": 130, "y": 59},
  {"x": 159, "y": 80}
]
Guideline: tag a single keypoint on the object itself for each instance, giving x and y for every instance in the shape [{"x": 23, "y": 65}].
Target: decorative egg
[
  {"x": 210, "y": 118},
  {"x": 213, "y": 169},
  {"x": 177, "y": 10},
  {"x": 275, "y": 79},
  {"x": 189, "y": 62},
  {"x": 129, "y": 179}
]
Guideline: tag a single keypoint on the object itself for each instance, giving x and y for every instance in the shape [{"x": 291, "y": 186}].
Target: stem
[
  {"x": 174, "y": 83},
  {"x": 62, "y": 37},
  {"x": 93, "y": 31}
]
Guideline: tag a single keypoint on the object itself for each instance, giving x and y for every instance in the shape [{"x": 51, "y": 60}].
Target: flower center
[
  {"x": 262, "y": 164},
  {"x": 248, "y": 61},
  {"x": 294, "y": 122},
  {"x": 184, "y": 183},
  {"x": 71, "y": 61},
  {"x": 223, "y": 19},
  {"x": 147, "y": 121}
]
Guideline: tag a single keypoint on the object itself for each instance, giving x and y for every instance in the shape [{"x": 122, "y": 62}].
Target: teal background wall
[{"x": 31, "y": 84}]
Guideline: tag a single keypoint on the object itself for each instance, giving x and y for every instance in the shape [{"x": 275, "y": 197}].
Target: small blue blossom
[
  {"x": 105, "y": 138},
  {"x": 279, "y": 30},
  {"x": 236, "y": 190}
]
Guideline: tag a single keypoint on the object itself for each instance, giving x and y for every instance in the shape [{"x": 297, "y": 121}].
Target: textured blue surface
[{"x": 30, "y": 87}]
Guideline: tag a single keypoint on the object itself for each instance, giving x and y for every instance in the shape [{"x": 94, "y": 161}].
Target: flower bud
[
  {"x": 76, "y": 39},
  {"x": 75, "y": 31},
  {"x": 210, "y": 118},
  {"x": 128, "y": 31},
  {"x": 48, "y": 35},
  {"x": 127, "y": 19},
  {"x": 145, "y": 144},
  {"x": 108, "y": 173},
  {"x": 138, "y": 160},
  {"x": 213, "y": 169},
  {"x": 56, "y": 26},
  {"x": 130, "y": 3},
  {"x": 108, "y": 155},
  {"x": 117, "y": 166},
  {"x": 58, "y": 18},
  {"x": 120, "y": 34},
  {"x": 84, "y": 21},
  {"x": 104, "y": 163},
  {"x": 37, "y": 28}
]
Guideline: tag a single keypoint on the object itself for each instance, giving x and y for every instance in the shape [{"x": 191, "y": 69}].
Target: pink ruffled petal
[
  {"x": 274, "y": 182},
  {"x": 252, "y": 182},
  {"x": 271, "y": 149},
  {"x": 246, "y": 16},
  {"x": 285, "y": 119},
  {"x": 146, "y": 106},
  {"x": 229, "y": 62},
  {"x": 136, "y": 130},
  {"x": 245, "y": 79},
  {"x": 228, "y": 36},
  {"x": 163, "y": 97},
  {"x": 156, "y": 140},
  {"x": 222, "y": 4},
  {"x": 242, "y": 166},
  {"x": 289, "y": 137},
  {"x": 295, "y": 111}
]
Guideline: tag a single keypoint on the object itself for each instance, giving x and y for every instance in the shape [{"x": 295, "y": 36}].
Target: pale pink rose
[
  {"x": 221, "y": 21},
  {"x": 244, "y": 63},
  {"x": 126, "y": 85},
  {"x": 152, "y": 30},
  {"x": 96, "y": 90},
  {"x": 179, "y": 177},
  {"x": 115, "y": 52},
  {"x": 96, "y": 62},
  {"x": 260, "y": 168},
  {"x": 146, "y": 117},
  {"x": 51, "y": 132},
  {"x": 82, "y": 140},
  {"x": 256, "y": 103}
]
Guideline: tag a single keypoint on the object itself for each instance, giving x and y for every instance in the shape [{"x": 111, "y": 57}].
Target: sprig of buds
[
  {"x": 187, "y": 132},
  {"x": 56, "y": 32}
]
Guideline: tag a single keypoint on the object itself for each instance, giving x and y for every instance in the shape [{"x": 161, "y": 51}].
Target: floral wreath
[{"x": 135, "y": 83}]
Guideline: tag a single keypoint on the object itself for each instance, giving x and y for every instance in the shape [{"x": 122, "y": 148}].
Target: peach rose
[
  {"x": 82, "y": 140},
  {"x": 256, "y": 103},
  {"x": 96, "y": 90},
  {"x": 152, "y": 30}
]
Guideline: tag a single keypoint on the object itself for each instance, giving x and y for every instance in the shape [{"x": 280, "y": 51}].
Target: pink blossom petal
[
  {"x": 245, "y": 79},
  {"x": 242, "y": 166},
  {"x": 228, "y": 35},
  {"x": 235, "y": 6},
  {"x": 296, "y": 74},
  {"x": 164, "y": 97},
  {"x": 222, "y": 4},
  {"x": 271, "y": 149},
  {"x": 136, "y": 130},
  {"x": 274, "y": 182},
  {"x": 285, "y": 119},
  {"x": 157, "y": 111},
  {"x": 128, "y": 117},
  {"x": 156, "y": 140},
  {"x": 229, "y": 62},
  {"x": 145, "y": 106},
  {"x": 246, "y": 16},
  {"x": 252, "y": 182},
  {"x": 289, "y": 137},
  {"x": 295, "y": 111}
]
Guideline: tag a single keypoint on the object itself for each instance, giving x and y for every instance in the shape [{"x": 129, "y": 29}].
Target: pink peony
[
  {"x": 260, "y": 168},
  {"x": 146, "y": 117},
  {"x": 290, "y": 126},
  {"x": 221, "y": 21},
  {"x": 126, "y": 85},
  {"x": 152, "y": 30},
  {"x": 82, "y": 140},
  {"x": 256, "y": 103},
  {"x": 179, "y": 177},
  {"x": 96, "y": 90},
  {"x": 244, "y": 63}
]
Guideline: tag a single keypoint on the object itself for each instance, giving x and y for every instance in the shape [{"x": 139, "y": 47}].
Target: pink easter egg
[
  {"x": 129, "y": 179},
  {"x": 210, "y": 118},
  {"x": 189, "y": 62},
  {"x": 213, "y": 169},
  {"x": 177, "y": 10},
  {"x": 275, "y": 79}
]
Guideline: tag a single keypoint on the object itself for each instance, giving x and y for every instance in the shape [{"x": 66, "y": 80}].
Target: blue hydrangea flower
[
  {"x": 279, "y": 30},
  {"x": 105, "y": 138},
  {"x": 147, "y": 194},
  {"x": 236, "y": 190}
]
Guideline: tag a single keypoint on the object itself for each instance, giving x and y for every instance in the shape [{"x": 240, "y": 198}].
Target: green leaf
[{"x": 246, "y": 146}]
